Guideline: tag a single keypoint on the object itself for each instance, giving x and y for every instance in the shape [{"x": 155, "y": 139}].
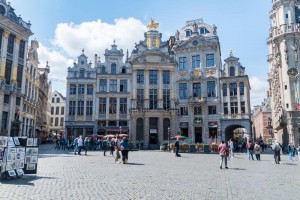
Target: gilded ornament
[{"x": 153, "y": 24}]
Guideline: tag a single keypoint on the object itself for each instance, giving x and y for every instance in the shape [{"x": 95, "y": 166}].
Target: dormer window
[
  {"x": 124, "y": 70},
  {"x": 203, "y": 30},
  {"x": 188, "y": 32},
  {"x": 113, "y": 68},
  {"x": 81, "y": 74},
  {"x": 232, "y": 71}
]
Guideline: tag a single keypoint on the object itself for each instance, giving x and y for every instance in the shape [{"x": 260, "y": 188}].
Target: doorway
[
  {"x": 153, "y": 130},
  {"x": 198, "y": 135}
]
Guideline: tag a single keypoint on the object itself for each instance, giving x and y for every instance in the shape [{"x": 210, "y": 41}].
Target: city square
[{"x": 154, "y": 175}]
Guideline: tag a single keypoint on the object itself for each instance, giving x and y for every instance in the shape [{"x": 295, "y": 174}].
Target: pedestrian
[
  {"x": 57, "y": 144},
  {"x": 276, "y": 147},
  {"x": 75, "y": 144},
  {"x": 257, "y": 150},
  {"x": 62, "y": 143},
  {"x": 298, "y": 149},
  {"x": 223, "y": 151},
  {"x": 177, "y": 148},
  {"x": 250, "y": 148},
  {"x": 80, "y": 144},
  {"x": 112, "y": 146},
  {"x": 86, "y": 145},
  {"x": 231, "y": 148},
  {"x": 124, "y": 149},
  {"x": 117, "y": 149},
  {"x": 104, "y": 146}
]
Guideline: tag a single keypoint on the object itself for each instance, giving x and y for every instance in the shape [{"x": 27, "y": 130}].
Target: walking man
[
  {"x": 80, "y": 144},
  {"x": 276, "y": 147},
  {"x": 104, "y": 146},
  {"x": 231, "y": 148},
  {"x": 250, "y": 148},
  {"x": 223, "y": 154},
  {"x": 117, "y": 148},
  {"x": 75, "y": 144},
  {"x": 177, "y": 148}
]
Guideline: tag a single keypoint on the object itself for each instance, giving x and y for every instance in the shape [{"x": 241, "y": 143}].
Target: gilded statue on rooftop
[{"x": 153, "y": 24}]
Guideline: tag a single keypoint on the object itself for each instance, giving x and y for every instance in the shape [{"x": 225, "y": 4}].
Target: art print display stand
[{"x": 18, "y": 156}]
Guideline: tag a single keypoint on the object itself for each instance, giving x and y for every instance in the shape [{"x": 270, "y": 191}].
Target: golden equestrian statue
[{"x": 153, "y": 24}]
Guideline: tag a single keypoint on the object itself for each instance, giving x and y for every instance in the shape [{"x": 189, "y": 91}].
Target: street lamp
[{"x": 168, "y": 138}]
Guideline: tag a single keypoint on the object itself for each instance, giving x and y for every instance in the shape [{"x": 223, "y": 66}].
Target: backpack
[
  {"x": 257, "y": 148},
  {"x": 112, "y": 143}
]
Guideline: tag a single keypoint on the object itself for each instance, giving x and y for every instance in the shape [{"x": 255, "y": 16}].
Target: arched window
[
  {"x": 139, "y": 129},
  {"x": 113, "y": 68},
  {"x": 166, "y": 130},
  {"x": 224, "y": 90},
  {"x": 231, "y": 71},
  {"x": 242, "y": 88},
  {"x": 188, "y": 32},
  {"x": 124, "y": 70}
]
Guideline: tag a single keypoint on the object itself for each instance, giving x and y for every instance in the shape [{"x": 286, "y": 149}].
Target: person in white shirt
[
  {"x": 117, "y": 149},
  {"x": 80, "y": 144}
]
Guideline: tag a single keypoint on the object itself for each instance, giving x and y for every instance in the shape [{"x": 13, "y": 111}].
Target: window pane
[{"x": 210, "y": 60}]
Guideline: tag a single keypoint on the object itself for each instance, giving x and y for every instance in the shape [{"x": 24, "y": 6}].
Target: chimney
[{"x": 95, "y": 60}]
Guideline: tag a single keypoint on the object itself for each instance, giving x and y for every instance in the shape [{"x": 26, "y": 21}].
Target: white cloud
[
  {"x": 259, "y": 88},
  {"x": 96, "y": 36}
]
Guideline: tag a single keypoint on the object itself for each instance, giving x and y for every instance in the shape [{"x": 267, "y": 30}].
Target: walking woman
[
  {"x": 257, "y": 150},
  {"x": 224, "y": 152},
  {"x": 124, "y": 149}
]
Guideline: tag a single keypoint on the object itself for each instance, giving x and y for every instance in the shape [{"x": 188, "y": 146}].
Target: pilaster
[{"x": 3, "y": 52}]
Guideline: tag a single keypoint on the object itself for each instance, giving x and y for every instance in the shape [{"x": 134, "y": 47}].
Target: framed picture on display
[
  {"x": 21, "y": 149},
  {"x": 3, "y": 141},
  {"x": 35, "y": 142},
  {"x": 9, "y": 166},
  {"x": 30, "y": 167},
  {"x": 33, "y": 159},
  {"x": 20, "y": 171},
  {"x": 12, "y": 173},
  {"x": 16, "y": 141},
  {"x": 27, "y": 159},
  {"x": 29, "y": 142},
  {"x": 9, "y": 157},
  {"x": 12, "y": 150}
]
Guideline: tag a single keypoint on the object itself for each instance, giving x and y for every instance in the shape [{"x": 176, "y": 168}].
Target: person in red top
[{"x": 223, "y": 151}]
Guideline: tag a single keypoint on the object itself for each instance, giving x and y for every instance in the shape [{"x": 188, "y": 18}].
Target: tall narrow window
[
  {"x": 188, "y": 32},
  {"x": 72, "y": 88},
  {"x": 196, "y": 89},
  {"x": 61, "y": 121},
  {"x": 212, "y": 110},
  {"x": 57, "y": 110},
  {"x": 140, "y": 98},
  {"x": 197, "y": 110},
  {"x": 211, "y": 89},
  {"x": 112, "y": 105},
  {"x": 152, "y": 77},
  {"x": 19, "y": 76},
  {"x": 182, "y": 63},
  {"x": 232, "y": 71},
  {"x": 113, "y": 68},
  {"x": 166, "y": 99},
  {"x": 233, "y": 89},
  {"x": 224, "y": 90},
  {"x": 80, "y": 107},
  {"x": 89, "y": 108},
  {"x": 242, "y": 88},
  {"x": 52, "y": 110},
  {"x": 102, "y": 105},
  {"x": 153, "y": 99},
  {"x": 123, "y": 85},
  {"x": 196, "y": 61},
  {"x": 184, "y": 111},
  {"x": 81, "y": 74},
  {"x": 10, "y": 44},
  {"x": 183, "y": 91},
  {"x": 89, "y": 89},
  {"x": 8, "y": 68},
  {"x": 62, "y": 110},
  {"x": 243, "y": 110},
  {"x": 225, "y": 108},
  {"x": 210, "y": 60},
  {"x": 166, "y": 77},
  {"x": 123, "y": 105},
  {"x": 56, "y": 121},
  {"x": 113, "y": 85},
  {"x": 80, "y": 88},
  {"x": 22, "y": 49},
  {"x": 102, "y": 85},
  {"x": 140, "y": 76},
  {"x": 234, "y": 107}
]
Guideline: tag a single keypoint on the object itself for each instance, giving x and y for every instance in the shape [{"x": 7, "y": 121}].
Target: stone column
[
  {"x": 133, "y": 89},
  {"x": 246, "y": 98},
  {"x": 222, "y": 98},
  {"x": 146, "y": 132},
  {"x": 172, "y": 89},
  {"x": 228, "y": 97},
  {"x": 238, "y": 98},
  {"x": 146, "y": 92},
  {"x": 160, "y": 90},
  {"x": 132, "y": 136},
  {"x": 160, "y": 130},
  {"x": 3, "y": 52},
  {"x": 107, "y": 107}
]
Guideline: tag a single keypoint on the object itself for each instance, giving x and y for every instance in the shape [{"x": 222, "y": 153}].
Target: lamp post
[{"x": 168, "y": 138}]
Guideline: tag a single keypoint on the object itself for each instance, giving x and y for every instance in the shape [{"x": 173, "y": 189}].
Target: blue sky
[{"x": 242, "y": 26}]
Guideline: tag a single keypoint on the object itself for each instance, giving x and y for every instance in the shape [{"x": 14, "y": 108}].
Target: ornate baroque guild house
[
  {"x": 283, "y": 58},
  {"x": 14, "y": 35},
  {"x": 57, "y": 118}
]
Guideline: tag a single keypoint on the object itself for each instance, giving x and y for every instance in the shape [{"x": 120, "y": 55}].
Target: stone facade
[
  {"x": 283, "y": 58},
  {"x": 14, "y": 35},
  {"x": 57, "y": 117}
]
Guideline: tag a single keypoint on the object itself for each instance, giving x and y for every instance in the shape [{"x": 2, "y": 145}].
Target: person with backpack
[
  {"x": 276, "y": 148},
  {"x": 75, "y": 144},
  {"x": 257, "y": 150},
  {"x": 117, "y": 148},
  {"x": 124, "y": 149},
  {"x": 250, "y": 148},
  {"x": 224, "y": 153},
  {"x": 104, "y": 146}
]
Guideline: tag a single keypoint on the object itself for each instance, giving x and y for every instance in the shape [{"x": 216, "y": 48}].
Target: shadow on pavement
[
  {"x": 289, "y": 164},
  {"x": 237, "y": 168},
  {"x": 24, "y": 180},
  {"x": 135, "y": 164}
]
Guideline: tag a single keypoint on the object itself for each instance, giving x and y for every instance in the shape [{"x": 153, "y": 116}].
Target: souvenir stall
[{"x": 18, "y": 156}]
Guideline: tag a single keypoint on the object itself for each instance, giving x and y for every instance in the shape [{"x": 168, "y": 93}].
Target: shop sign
[
  {"x": 212, "y": 124},
  {"x": 153, "y": 131},
  {"x": 198, "y": 120},
  {"x": 184, "y": 125}
]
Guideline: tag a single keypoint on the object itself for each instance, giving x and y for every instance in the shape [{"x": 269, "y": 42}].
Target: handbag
[{"x": 227, "y": 152}]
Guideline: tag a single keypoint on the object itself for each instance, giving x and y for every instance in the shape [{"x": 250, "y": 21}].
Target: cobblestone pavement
[{"x": 154, "y": 175}]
